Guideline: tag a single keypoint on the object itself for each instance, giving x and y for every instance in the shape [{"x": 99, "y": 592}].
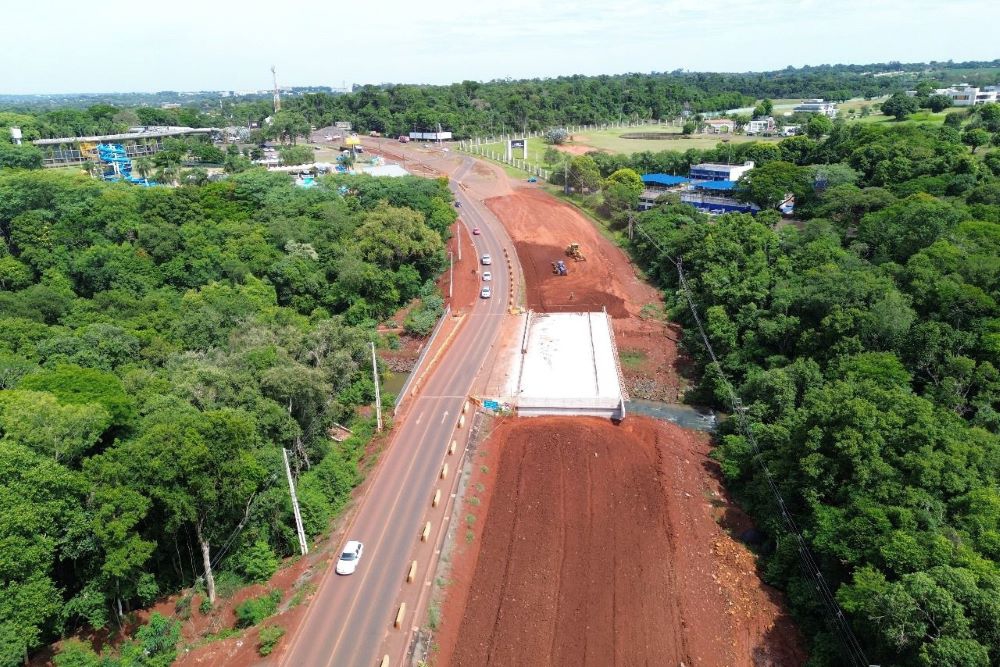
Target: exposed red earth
[
  {"x": 599, "y": 544},
  {"x": 541, "y": 227}
]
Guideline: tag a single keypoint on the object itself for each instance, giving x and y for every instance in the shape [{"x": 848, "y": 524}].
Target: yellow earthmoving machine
[{"x": 573, "y": 250}]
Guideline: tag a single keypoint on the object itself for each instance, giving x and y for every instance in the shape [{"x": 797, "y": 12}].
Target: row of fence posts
[{"x": 477, "y": 145}]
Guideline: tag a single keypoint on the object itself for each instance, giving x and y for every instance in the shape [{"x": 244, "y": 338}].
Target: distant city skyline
[{"x": 112, "y": 46}]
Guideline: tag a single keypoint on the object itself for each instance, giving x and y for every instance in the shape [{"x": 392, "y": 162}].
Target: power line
[{"x": 808, "y": 562}]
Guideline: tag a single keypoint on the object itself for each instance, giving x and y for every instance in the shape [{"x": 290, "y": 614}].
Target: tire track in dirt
[
  {"x": 508, "y": 561},
  {"x": 553, "y": 645}
]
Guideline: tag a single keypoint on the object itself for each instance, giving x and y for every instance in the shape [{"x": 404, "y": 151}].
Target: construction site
[{"x": 592, "y": 539}]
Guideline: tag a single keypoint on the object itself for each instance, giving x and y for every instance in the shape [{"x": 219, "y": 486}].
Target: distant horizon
[
  {"x": 266, "y": 89},
  {"x": 199, "y": 46}
]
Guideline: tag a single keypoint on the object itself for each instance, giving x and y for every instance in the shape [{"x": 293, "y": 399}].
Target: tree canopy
[{"x": 158, "y": 348}]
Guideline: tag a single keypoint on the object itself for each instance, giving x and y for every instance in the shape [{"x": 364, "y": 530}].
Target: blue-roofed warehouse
[
  {"x": 664, "y": 180},
  {"x": 655, "y": 185}
]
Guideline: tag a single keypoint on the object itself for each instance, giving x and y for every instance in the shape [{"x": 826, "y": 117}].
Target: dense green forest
[
  {"x": 864, "y": 342},
  {"x": 475, "y": 108},
  {"x": 158, "y": 347}
]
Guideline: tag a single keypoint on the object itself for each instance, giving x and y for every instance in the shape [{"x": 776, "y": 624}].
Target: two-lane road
[{"x": 349, "y": 617}]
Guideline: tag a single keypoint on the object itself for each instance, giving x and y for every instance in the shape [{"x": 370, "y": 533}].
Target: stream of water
[{"x": 686, "y": 416}]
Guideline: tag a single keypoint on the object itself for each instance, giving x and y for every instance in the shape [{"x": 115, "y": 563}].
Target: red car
[{"x": 475, "y": 230}]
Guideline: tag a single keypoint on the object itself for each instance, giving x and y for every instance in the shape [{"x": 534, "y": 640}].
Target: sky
[{"x": 62, "y": 46}]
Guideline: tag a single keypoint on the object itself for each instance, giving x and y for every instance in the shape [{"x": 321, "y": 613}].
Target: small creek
[{"x": 686, "y": 416}]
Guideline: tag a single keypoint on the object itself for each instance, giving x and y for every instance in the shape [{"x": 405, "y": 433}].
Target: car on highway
[
  {"x": 486, "y": 260},
  {"x": 350, "y": 557},
  {"x": 487, "y": 275},
  {"x": 458, "y": 204},
  {"x": 475, "y": 230},
  {"x": 486, "y": 292}
]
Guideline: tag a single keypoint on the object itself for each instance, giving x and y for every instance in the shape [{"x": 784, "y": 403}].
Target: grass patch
[
  {"x": 632, "y": 358},
  {"x": 268, "y": 639},
  {"x": 480, "y": 487},
  {"x": 484, "y": 469},
  {"x": 224, "y": 633},
  {"x": 469, "y": 536},
  {"x": 301, "y": 595},
  {"x": 473, "y": 501},
  {"x": 470, "y": 519},
  {"x": 433, "y": 616}
]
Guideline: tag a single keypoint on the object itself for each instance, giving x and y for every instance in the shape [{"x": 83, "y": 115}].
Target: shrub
[
  {"x": 253, "y": 611},
  {"x": 269, "y": 637},
  {"x": 205, "y": 606},
  {"x": 75, "y": 653},
  {"x": 257, "y": 561},
  {"x": 557, "y": 136}
]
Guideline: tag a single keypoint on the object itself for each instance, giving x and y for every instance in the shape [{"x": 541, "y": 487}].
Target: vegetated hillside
[
  {"x": 158, "y": 348},
  {"x": 475, "y": 108},
  {"x": 865, "y": 345}
]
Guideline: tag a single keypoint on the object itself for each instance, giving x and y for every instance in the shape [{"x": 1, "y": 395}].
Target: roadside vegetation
[
  {"x": 864, "y": 343},
  {"x": 158, "y": 347}
]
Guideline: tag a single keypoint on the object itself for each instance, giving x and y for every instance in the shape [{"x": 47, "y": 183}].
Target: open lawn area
[{"x": 613, "y": 141}]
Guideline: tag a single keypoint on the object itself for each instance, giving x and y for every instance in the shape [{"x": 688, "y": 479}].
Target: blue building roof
[
  {"x": 715, "y": 185},
  {"x": 663, "y": 179}
]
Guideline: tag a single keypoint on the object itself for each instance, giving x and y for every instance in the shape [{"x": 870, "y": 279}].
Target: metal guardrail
[{"x": 420, "y": 360}]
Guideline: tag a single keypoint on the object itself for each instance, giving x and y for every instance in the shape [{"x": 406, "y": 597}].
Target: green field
[{"x": 611, "y": 141}]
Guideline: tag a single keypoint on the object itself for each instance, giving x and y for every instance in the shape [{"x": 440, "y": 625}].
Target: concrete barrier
[
  {"x": 452, "y": 447},
  {"x": 437, "y": 498},
  {"x": 384, "y": 662},
  {"x": 461, "y": 421},
  {"x": 412, "y": 574},
  {"x": 426, "y": 532},
  {"x": 399, "y": 615},
  {"x": 465, "y": 407},
  {"x": 444, "y": 471}
]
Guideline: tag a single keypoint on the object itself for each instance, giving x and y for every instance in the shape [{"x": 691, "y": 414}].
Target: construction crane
[{"x": 277, "y": 97}]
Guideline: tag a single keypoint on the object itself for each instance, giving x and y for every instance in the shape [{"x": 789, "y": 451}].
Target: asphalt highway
[{"x": 349, "y": 617}]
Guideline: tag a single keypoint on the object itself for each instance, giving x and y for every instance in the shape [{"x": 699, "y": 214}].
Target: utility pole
[
  {"x": 303, "y": 545},
  {"x": 378, "y": 394},
  {"x": 451, "y": 272},
  {"x": 458, "y": 238}
]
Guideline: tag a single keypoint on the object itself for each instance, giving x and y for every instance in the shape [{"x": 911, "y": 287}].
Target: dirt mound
[
  {"x": 601, "y": 547},
  {"x": 541, "y": 228},
  {"x": 550, "y": 293}
]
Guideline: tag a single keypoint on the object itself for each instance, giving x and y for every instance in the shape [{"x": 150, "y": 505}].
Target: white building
[
  {"x": 964, "y": 95},
  {"x": 818, "y": 106},
  {"x": 761, "y": 126},
  {"x": 708, "y": 171},
  {"x": 719, "y": 126}
]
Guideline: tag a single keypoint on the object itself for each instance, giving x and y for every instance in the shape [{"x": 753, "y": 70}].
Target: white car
[
  {"x": 486, "y": 260},
  {"x": 350, "y": 557},
  {"x": 487, "y": 275},
  {"x": 486, "y": 292}
]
